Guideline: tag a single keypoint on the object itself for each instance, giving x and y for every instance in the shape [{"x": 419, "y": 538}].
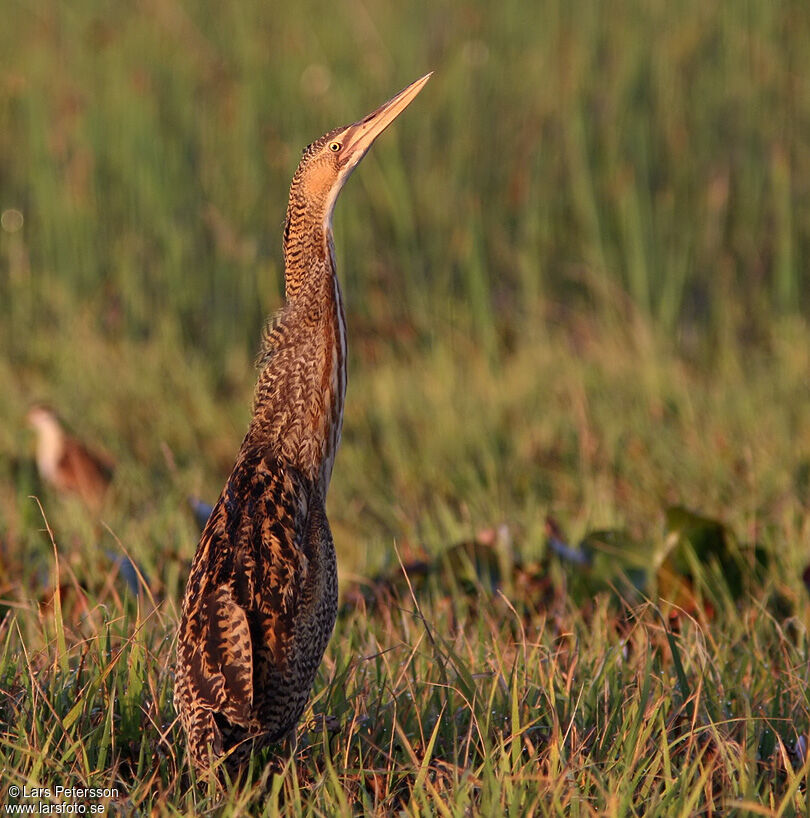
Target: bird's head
[
  {"x": 328, "y": 162},
  {"x": 42, "y": 418}
]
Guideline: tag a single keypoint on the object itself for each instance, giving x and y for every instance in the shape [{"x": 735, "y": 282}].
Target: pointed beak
[{"x": 359, "y": 137}]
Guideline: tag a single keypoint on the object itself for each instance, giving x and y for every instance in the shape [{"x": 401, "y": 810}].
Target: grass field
[{"x": 576, "y": 273}]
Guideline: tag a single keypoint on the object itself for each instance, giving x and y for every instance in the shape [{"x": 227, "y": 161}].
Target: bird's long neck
[
  {"x": 50, "y": 448},
  {"x": 298, "y": 408},
  {"x": 307, "y": 243}
]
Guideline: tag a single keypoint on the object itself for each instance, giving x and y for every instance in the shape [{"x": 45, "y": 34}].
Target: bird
[
  {"x": 261, "y": 598},
  {"x": 65, "y": 463}
]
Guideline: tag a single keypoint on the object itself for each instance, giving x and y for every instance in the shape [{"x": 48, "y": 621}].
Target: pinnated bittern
[
  {"x": 261, "y": 598},
  {"x": 65, "y": 462}
]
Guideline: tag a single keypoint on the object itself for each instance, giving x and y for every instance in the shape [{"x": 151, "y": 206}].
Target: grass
[
  {"x": 533, "y": 696},
  {"x": 576, "y": 284}
]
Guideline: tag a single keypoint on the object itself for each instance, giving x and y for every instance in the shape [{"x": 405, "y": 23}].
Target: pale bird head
[
  {"x": 328, "y": 162},
  {"x": 42, "y": 419}
]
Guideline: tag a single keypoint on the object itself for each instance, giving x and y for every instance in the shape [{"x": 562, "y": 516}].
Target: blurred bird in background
[{"x": 65, "y": 463}]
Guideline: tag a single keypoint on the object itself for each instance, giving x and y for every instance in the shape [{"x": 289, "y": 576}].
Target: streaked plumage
[
  {"x": 261, "y": 598},
  {"x": 65, "y": 463}
]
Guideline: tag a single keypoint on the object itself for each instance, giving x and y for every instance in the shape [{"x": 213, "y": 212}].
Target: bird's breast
[
  {"x": 334, "y": 391},
  {"x": 50, "y": 449}
]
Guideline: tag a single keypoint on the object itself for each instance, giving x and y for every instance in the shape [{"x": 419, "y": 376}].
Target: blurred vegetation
[
  {"x": 660, "y": 148},
  {"x": 576, "y": 274}
]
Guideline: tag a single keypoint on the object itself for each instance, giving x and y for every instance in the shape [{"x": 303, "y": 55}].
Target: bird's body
[
  {"x": 261, "y": 599},
  {"x": 65, "y": 462}
]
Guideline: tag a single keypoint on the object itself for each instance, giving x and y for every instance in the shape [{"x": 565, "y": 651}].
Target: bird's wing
[
  {"x": 220, "y": 664},
  {"x": 243, "y": 587}
]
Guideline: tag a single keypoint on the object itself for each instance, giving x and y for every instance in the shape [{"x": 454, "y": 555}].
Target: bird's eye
[{"x": 334, "y": 147}]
